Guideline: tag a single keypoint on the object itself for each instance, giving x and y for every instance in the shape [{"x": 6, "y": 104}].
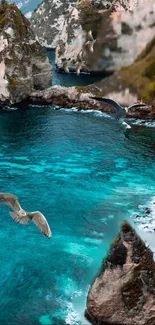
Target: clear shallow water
[{"x": 86, "y": 173}]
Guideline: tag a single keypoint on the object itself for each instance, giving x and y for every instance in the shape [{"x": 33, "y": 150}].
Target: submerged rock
[
  {"x": 24, "y": 64},
  {"x": 123, "y": 292}
]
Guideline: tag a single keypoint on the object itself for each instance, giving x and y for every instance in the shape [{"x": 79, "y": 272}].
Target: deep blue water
[{"x": 86, "y": 173}]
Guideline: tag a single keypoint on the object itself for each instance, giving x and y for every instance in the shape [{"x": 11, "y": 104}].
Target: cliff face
[
  {"x": 24, "y": 65},
  {"x": 124, "y": 290},
  {"x": 49, "y": 19},
  {"x": 120, "y": 34}
]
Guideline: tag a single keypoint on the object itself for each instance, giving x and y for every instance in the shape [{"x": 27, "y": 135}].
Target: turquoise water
[{"x": 86, "y": 173}]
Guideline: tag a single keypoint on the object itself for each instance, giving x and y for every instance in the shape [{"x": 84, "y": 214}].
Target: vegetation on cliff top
[
  {"x": 11, "y": 16},
  {"x": 138, "y": 77},
  {"x": 90, "y": 17}
]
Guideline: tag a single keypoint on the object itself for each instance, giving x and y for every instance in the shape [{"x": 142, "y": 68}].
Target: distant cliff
[
  {"x": 24, "y": 65},
  {"x": 49, "y": 19},
  {"x": 123, "y": 292}
]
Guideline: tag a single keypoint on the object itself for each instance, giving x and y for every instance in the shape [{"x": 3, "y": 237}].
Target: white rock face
[
  {"x": 49, "y": 19},
  {"x": 71, "y": 40},
  {"x": 24, "y": 64}
]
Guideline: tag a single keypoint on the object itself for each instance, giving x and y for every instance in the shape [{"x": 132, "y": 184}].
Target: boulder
[{"x": 123, "y": 292}]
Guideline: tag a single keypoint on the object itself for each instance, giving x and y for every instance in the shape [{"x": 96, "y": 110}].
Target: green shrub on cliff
[
  {"x": 10, "y": 14},
  {"x": 90, "y": 18},
  {"x": 140, "y": 76}
]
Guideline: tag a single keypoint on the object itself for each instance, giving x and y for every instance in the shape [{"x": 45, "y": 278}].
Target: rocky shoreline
[{"x": 69, "y": 97}]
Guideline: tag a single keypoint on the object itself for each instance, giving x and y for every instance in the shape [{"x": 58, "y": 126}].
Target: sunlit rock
[
  {"x": 123, "y": 293},
  {"x": 24, "y": 64}
]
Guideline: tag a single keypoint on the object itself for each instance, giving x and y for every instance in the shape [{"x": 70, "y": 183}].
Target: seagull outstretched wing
[
  {"x": 10, "y": 200},
  {"x": 40, "y": 221}
]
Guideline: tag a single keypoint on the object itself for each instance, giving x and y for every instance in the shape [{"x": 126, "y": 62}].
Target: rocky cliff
[
  {"x": 24, "y": 64},
  {"x": 130, "y": 84},
  {"x": 123, "y": 292},
  {"x": 121, "y": 32},
  {"x": 49, "y": 19}
]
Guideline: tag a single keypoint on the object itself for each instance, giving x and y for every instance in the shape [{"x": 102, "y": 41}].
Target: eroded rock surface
[
  {"x": 120, "y": 34},
  {"x": 24, "y": 64},
  {"x": 49, "y": 19},
  {"x": 123, "y": 292}
]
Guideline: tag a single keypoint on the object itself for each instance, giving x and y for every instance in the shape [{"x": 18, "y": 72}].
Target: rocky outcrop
[
  {"x": 120, "y": 34},
  {"x": 123, "y": 292},
  {"x": 24, "y": 64},
  {"x": 67, "y": 97},
  {"x": 49, "y": 19},
  {"x": 131, "y": 84}
]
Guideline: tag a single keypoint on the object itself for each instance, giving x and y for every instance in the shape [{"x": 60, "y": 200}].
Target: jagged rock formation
[
  {"x": 123, "y": 292},
  {"x": 49, "y": 19},
  {"x": 24, "y": 65}
]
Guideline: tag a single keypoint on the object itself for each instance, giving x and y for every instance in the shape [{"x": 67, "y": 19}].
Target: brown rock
[{"x": 123, "y": 292}]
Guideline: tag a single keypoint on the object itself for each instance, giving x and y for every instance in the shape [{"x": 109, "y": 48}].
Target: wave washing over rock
[{"x": 124, "y": 290}]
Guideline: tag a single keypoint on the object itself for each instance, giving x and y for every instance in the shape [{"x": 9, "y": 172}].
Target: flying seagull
[
  {"x": 21, "y": 216},
  {"x": 90, "y": 41},
  {"x": 119, "y": 110},
  {"x": 65, "y": 67},
  {"x": 80, "y": 62}
]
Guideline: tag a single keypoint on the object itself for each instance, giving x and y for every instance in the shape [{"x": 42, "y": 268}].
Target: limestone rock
[
  {"x": 123, "y": 292},
  {"x": 49, "y": 19},
  {"x": 120, "y": 34},
  {"x": 24, "y": 64}
]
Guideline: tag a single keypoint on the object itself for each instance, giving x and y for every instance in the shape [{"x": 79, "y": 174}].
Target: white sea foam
[
  {"x": 140, "y": 122},
  {"x": 146, "y": 219},
  {"x": 7, "y": 108},
  {"x": 126, "y": 125}
]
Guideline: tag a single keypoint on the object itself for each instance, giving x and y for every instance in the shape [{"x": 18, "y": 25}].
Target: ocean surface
[{"x": 86, "y": 172}]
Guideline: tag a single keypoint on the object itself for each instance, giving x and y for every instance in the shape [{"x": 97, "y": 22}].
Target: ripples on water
[{"x": 86, "y": 173}]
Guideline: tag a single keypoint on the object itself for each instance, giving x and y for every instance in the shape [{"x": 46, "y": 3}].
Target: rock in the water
[
  {"x": 24, "y": 64},
  {"x": 123, "y": 292}
]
